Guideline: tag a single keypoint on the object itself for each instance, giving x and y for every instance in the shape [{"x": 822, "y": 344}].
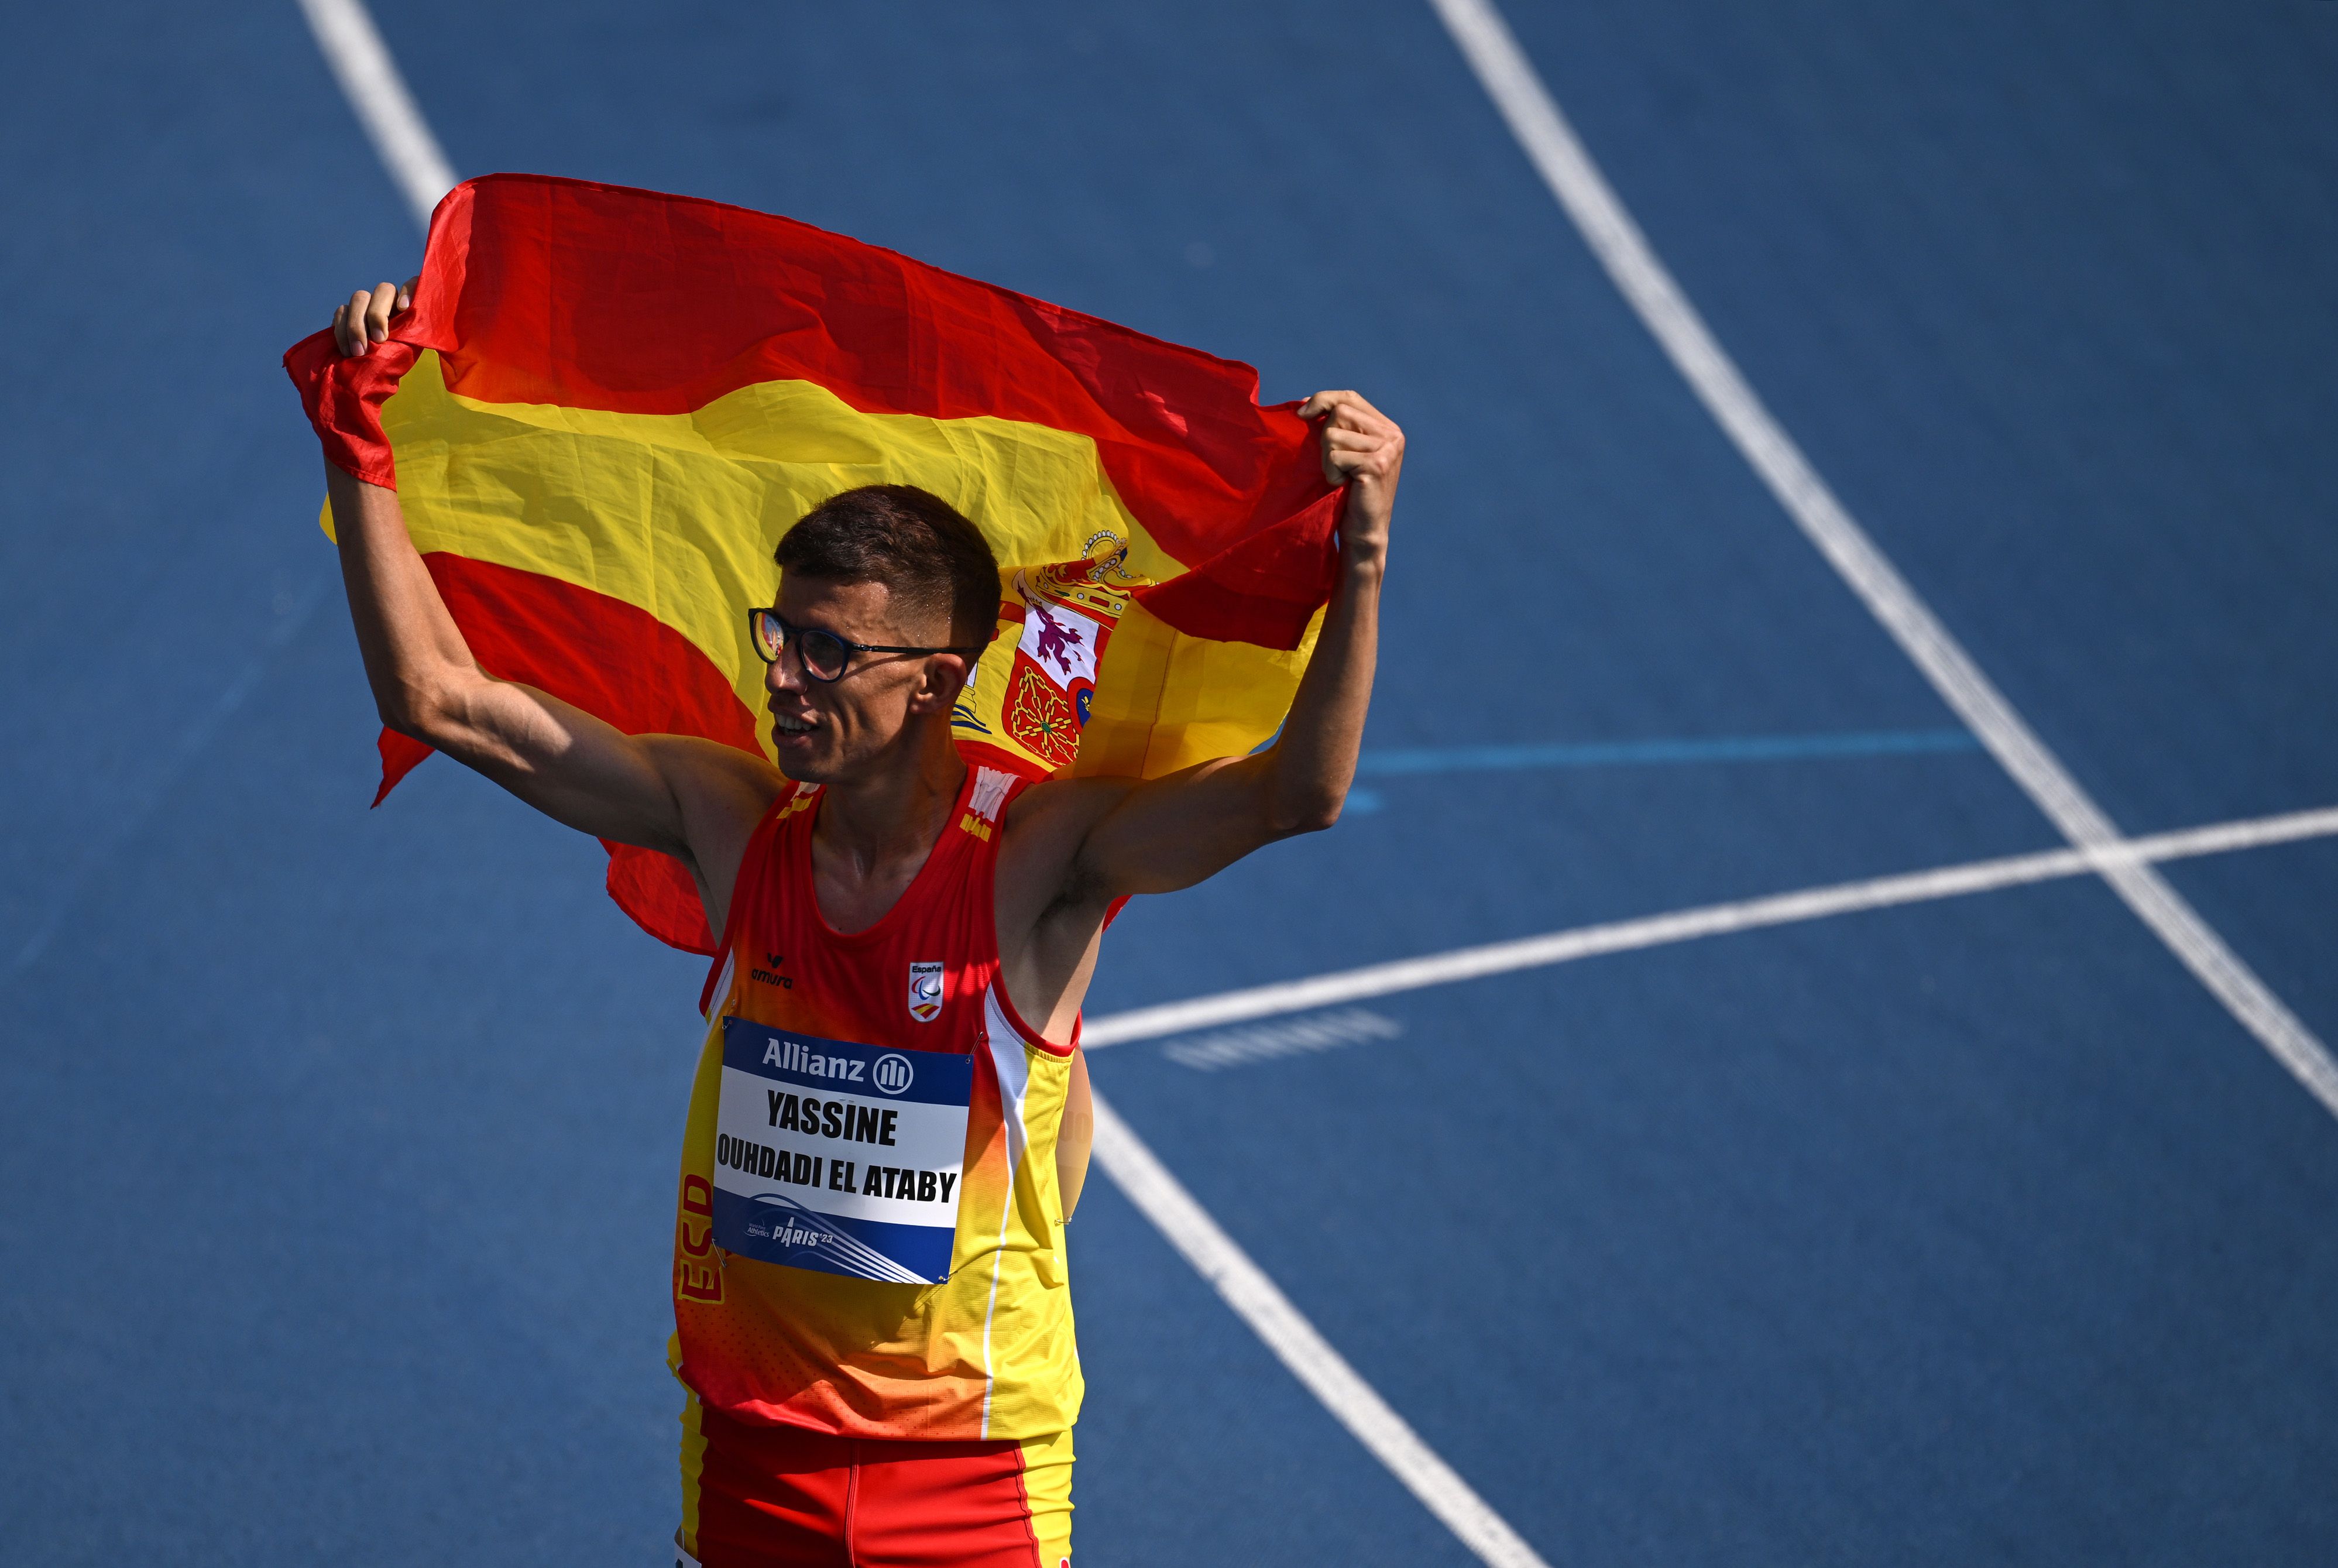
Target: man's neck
[{"x": 869, "y": 827}]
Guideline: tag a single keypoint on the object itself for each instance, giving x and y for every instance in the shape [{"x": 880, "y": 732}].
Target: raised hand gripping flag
[{"x": 607, "y": 405}]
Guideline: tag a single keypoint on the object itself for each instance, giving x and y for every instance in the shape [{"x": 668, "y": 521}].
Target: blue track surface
[{"x": 336, "y": 1149}]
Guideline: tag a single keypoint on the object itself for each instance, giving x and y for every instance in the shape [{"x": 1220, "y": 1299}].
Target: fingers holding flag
[
  {"x": 1363, "y": 449},
  {"x": 364, "y": 319},
  {"x": 1155, "y": 514}
]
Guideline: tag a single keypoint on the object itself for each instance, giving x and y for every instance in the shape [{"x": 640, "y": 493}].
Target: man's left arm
[{"x": 1172, "y": 832}]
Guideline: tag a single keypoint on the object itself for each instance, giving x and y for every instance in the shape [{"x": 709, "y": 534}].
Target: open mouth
[{"x": 794, "y": 727}]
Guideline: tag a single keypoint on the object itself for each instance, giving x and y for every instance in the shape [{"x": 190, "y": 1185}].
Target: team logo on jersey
[{"x": 924, "y": 991}]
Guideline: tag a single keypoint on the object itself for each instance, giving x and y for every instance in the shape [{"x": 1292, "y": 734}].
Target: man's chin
[{"x": 803, "y": 757}]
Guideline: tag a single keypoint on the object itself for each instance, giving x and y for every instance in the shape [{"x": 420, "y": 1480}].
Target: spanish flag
[{"x": 607, "y": 405}]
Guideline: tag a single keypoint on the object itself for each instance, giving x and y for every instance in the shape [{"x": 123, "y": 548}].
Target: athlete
[{"x": 875, "y": 895}]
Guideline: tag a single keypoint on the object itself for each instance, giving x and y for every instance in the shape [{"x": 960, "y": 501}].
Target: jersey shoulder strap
[
  {"x": 754, "y": 867},
  {"x": 986, "y": 802}
]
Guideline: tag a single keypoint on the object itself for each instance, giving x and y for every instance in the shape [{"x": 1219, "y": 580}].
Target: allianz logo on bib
[
  {"x": 924, "y": 991},
  {"x": 792, "y": 1055}
]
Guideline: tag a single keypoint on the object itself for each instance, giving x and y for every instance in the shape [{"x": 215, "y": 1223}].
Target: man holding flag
[{"x": 889, "y": 1125}]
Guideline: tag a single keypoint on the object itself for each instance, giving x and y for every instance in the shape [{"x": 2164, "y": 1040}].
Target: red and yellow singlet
[{"x": 988, "y": 1354}]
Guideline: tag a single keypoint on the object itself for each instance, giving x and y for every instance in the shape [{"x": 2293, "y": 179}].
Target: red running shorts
[{"x": 783, "y": 1497}]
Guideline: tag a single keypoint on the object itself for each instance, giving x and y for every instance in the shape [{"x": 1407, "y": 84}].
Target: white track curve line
[
  {"x": 370, "y": 79},
  {"x": 352, "y": 47},
  {"x": 1297, "y": 1344},
  {"x": 1686, "y": 925},
  {"x": 1534, "y": 118}
]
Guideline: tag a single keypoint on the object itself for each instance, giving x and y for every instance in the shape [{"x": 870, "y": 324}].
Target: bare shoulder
[
  {"x": 1057, "y": 804},
  {"x": 1044, "y": 828},
  {"x": 711, "y": 775},
  {"x": 720, "y": 793}
]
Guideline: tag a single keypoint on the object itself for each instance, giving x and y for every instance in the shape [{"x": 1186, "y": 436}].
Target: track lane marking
[
  {"x": 402, "y": 138},
  {"x": 1162, "y": 1199},
  {"x": 1685, "y": 925},
  {"x": 1550, "y": 143},
  {"x": 1399, "y": 760},
  {"x": 369, "y": 80}
]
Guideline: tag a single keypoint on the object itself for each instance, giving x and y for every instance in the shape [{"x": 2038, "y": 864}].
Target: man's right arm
[{"x": 696, "y": 799}]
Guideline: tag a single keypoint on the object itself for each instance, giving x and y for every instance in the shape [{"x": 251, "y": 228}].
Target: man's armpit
[{"x": 1040, "y": 862}]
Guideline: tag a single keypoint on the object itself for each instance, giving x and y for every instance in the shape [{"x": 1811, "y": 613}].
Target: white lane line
[
  {"x": 1534, "y": 118},
  {"x": 1685, "y": 925},
  {"x": 1296, "y": 1343},
  {"x": 1266, "y": 1041},
  {"x": 1133, "y": 1167},
  {"x": 369, "y": 80}
]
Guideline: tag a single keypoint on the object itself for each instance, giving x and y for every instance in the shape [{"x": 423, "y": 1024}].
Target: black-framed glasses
[{"x": 825, "y": 656}]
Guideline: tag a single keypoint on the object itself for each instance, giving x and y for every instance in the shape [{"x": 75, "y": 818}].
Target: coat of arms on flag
[{"x": 606, "y": 405}]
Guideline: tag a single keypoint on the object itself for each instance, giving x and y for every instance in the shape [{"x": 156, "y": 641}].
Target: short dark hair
[{"x": 917, "y": 545}]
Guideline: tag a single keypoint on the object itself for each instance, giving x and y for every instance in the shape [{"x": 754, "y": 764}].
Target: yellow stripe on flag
[
  {"x": 1166, "y": 701},
  {"x": 679, "y": 515}
]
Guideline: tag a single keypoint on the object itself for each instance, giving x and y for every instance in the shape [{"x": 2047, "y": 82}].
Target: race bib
[{"x": 839, "y": 1156}]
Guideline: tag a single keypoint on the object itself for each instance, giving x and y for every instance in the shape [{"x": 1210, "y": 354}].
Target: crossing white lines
[
  {"x": 409, "y": 151},
  {"x": 1687, "y": 924},
  {"x": 1511, "y": 80},
  {"x": 402, "y": 138}
]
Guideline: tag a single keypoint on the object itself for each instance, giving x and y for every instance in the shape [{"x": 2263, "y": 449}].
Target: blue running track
[{"x": 337, "y": 1147}]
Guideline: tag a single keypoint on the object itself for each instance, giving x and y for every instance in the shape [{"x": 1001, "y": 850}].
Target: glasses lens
[
  {"x": 824, "y": 653},
  {"x": 767, "y": 635}
]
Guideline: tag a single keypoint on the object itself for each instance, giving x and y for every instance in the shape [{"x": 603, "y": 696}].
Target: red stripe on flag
[
  {"x": 543, "y": 291},
  {"x": 614, "y": 661}
]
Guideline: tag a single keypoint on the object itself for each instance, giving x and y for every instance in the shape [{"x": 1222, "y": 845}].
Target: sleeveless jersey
[{"x": 988, "y": 1352}]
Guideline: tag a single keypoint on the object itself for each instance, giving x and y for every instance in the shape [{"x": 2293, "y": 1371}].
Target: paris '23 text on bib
[{"x": 839, "y": 1157}]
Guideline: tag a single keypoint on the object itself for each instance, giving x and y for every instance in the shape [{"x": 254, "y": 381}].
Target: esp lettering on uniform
[{"x": 697, "y": 1281}]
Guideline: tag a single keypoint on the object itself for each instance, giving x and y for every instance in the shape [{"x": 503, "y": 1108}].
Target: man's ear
[{"x": 939, "y": 684}]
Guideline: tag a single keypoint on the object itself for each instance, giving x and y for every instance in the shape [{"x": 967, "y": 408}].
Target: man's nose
[{"x": 784, "y": 674}]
